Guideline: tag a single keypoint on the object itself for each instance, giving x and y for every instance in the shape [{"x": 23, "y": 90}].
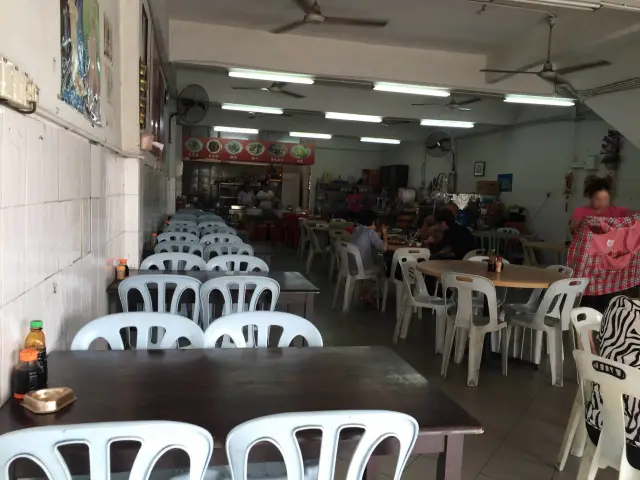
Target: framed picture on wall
[{"x": 478, "y": 169}]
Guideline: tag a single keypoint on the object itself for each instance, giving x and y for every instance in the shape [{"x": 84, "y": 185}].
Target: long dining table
[
  {"x": 297, "y": 293},
  {"x": 218, "y": 389}
]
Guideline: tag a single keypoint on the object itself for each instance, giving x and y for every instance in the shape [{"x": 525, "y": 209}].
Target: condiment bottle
[
  {"x": 36, "y": 341},
  {"x": 28, "y": 375},
  {"x": 498, "y": 264},
  {"x": 122, "y": 270},
  {"x": 491, "y": 267},
  {"x": 154, "y": 240}
]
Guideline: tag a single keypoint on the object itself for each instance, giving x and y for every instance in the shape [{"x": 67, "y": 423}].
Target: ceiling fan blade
[
  {"x": 468, "y": 102},
  {"x": 304, "y": 6},
  {"x": 246, "y": 88},
  {"x": 584, "y": 66},
  {"x": 356, "y": 22},
  {"x": 493, "y": 70},
  {"x": 427, "y": 104},
  {"x": 292, "y": 94},
  {"x": 460, "y": 109},
  {"x": 289, "y": 26}
]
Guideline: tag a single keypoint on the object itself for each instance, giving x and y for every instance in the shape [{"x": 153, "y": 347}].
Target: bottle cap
[
  {"x": 154, "y": 234},
  {"x": 28, "y": 355},
  {"x": 35, "y": 324},
  {"x": 123, "y": 261}
]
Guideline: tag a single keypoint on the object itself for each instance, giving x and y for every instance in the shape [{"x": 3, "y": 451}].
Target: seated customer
[
  {"x": 365, "y": 237},
  {"x": 456, "y": 240}
]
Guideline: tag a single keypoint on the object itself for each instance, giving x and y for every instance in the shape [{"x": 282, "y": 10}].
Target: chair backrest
[
  {"x": 474, "y": 253},
  {"x": 349, "y": 249},
  {"x": 529, "y": 252},
  {"x": 249, "y": 290},
  {"x": 420, "y": 255},
  {"x": 585, "y": 321},
  {"x": 237, "y": 263},
  {"x": 616, "y": 381},
  {"x": 411, "y": 276},
  {"x": 212, "y": 223},
  {"x": 142, "y": 284},
  {"x": 337, "y": 220},
  {"x": 227, "y": 249},
  {"x": 560, "y": 298},
  {"x": 233, "y": 325},
  {"x": 210, "y": 230},
  {"x": 567, "y": 271},
  {"x": 178, "y": 237},
  {"x": 534, "y": 299},
  {"x": 173, "y": 261},
  {"x": 466, "y": 286},
  {"x": 182, "y": 223},
  {"x": 508, "y": 230},
  {"x": 109, "y": 327},
  {"x": 220, "y": 238},
  {"x": 41, "y": 445},
  {"x": 281, "y": 430},
  {"x": 185, "y": 216},
  {"x": 484, "y": 258},
  {"x": 183, "y": 229},
  {"x": 180, "y": 247}
]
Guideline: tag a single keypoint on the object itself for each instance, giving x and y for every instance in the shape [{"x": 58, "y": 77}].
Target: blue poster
[{"x": 505, "y": 180}]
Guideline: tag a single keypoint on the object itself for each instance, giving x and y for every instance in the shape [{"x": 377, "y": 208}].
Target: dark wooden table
[
  {"x": 297, "y": 294},
  {"x": 218, "y": 389},
  {"x": 263, "y": 250}
]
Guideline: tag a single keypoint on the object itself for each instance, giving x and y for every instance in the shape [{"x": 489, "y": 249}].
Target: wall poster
[
  {"x": 505, "y": 180},
  {"x": 80, "y": 57}
]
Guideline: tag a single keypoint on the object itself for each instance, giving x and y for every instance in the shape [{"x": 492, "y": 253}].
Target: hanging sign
[{"x": 258, "y": 151}]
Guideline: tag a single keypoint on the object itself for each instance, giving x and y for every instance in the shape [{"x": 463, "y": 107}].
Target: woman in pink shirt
[{"x": 599, "y": 193}]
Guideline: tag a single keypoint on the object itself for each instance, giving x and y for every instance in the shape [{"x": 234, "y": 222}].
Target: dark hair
[
  {"x": 368, "y": 217},
  {"x": 597, "y": 185},
  {"x": 445, "y": 215}
]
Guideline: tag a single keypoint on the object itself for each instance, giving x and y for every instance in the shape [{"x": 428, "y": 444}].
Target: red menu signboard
[{"x": 228, "y": 149}]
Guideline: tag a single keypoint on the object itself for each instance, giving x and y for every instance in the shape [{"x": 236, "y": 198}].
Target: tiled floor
[{"x": 523, "y": 415}]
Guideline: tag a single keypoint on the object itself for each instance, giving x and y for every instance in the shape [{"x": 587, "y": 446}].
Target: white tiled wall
[{"x": 64, "y": 211}]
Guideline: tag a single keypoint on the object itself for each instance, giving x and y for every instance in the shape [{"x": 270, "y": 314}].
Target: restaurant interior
[{"x": 320, "y": 239}]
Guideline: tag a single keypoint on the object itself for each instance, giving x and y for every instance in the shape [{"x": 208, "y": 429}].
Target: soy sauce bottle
[{"x": 491, "y": 266}]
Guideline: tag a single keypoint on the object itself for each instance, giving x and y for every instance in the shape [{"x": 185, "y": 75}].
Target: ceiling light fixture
[
  {"x": 271, "y": 76},
  {"x": 446, "y": 123},
  {"x": 353, "y": 117},
  {"x": 411, "y": 89},
  {"x": 236, "y": 130},
  {"x": 250, "y": 108},
  {"x": 390, "y": 141},
  {"x": 323, "y": 136},
  {"x": 575, "y": 4},
  {"x": 533, "y": 100}
]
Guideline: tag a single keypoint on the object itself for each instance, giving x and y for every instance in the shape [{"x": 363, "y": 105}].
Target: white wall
[
  {"x": 413, "y": 154},
  {"x": 62, "y": 227}
]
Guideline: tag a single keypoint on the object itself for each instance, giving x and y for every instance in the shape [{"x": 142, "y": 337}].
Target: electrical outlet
[{"x": 16, "y": 87}]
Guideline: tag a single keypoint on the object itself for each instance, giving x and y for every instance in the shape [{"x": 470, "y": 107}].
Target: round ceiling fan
[
  {"x": 275, "y": 87},
  {"x": 313, "y": 15},
  {"x": 550, "y": 74},
  {"x": 453, "y": 104}
]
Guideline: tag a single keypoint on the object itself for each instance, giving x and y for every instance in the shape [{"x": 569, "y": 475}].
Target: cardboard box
[{"x": 487, "y": 187}]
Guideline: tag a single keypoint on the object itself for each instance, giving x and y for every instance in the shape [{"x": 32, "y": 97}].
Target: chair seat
[
  {"x": 427, "y": 301},
  {"x": 522, "y": 319}
]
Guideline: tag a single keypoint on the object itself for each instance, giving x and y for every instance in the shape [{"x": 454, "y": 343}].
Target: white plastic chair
[
  {"x": 616, "y": 380},
  {"x": 184, "y": 216},
  {"x": 551, "y": 318},
  {"x": 316, "y": 246},
  {"x": 178, "y": 237},
  {"x": 416, "y": 296},
  {"x": 249, "y": 288},
  {"x": 210, "y": 230},
  {"x": 351, "y": 277},
  {"x": 141, "y": 283},
  {"x": 220, "y": 238},
  {"x": 304, "y": 237},
  {"x": 281, "y": 429},
  {"x": 211, "y": 223},
  {"x": 237, "y": 263},
  {"x": 335, "y": 236},
  {"x": 509, "y": 231},
  {"x": 182, "y": 223},
  {"x": 575, "y": 435},
  {"x": 227, "y": 249},
  {"x": 108, "y": 327},
  {"x": 233, "y": 325},
  {"x": 173, "y": 261},
  {"x": 419, "y": 254},
  {"x": 468, "y": 323},
  {"x": 40, "y": 445},
  {"x": 478, "y": 252},
  {"x": 183, "y": 229},
  {"x": 179, "y": 247},
  {"x": 210, "y": 217}
]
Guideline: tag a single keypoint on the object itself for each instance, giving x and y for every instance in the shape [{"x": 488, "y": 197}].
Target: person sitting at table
[
  {"x": 456, "y": 240},
  {"x": 598, "y": 190},
  {"x": 354, "y": 204},
  {"x": 430, "y": 227},
  {"x": 368, "y": 241}
]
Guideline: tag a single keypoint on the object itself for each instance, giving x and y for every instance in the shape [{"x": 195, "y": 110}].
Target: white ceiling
[{"x": 452, "y": 25}]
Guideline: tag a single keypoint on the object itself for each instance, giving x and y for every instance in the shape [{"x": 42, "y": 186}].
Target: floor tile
[{"x": 510, "y": 463}]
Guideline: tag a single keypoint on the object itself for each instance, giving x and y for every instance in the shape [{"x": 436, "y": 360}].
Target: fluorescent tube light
[
  {"x": 380, "y": 140},
  {"x": 576, "y": 4},
  {"x": 621, "y": 6},
  {"x": 250, "y": 108},
  {"x": 411, "y": 89},
  {"x": 236, "y": 130},
  {"x": 271, "y": 76},
  {"x": 446, "y": 123},
  {"x": 324, "y": 136},
  {"x": 532, "y": 100},
  {"x": 353, "y": 117}
]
